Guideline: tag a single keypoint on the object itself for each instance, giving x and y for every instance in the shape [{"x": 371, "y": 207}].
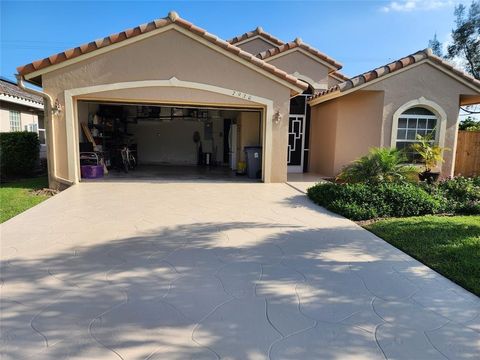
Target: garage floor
[
  {"x": 175, "y": 172},
  {"x": 208, "y": 270}
]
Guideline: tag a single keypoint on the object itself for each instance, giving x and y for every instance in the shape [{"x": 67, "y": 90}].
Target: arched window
[{"x": 412, "y": 122}]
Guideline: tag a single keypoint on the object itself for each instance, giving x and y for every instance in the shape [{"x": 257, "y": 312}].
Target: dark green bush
[
  {"x": 462, "y": 194},
  {"x": 19, "y": 152},
  {"x": 362, "y": 201},
  {"x": 353, "y": 211},
  {"x": 410, "y": 200},
  {"x": 368, "y": 201}
]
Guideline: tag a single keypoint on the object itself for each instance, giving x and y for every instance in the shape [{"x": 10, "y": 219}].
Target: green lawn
[
  {"x": 17, "y": 196},
  {"x": 449, "y": 245}
]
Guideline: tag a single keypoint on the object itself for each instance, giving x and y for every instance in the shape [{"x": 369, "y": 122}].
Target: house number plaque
[{"x": 242, "y": 95}]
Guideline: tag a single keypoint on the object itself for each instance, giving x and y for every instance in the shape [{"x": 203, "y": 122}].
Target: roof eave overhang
[
  {"x": 35, "y": 77},
  {"x": 21, "y": 101},
  {"x": 339, "y": 93},
  {"x": 324, "y": 98},
  {"x": 466, "y": 100}
]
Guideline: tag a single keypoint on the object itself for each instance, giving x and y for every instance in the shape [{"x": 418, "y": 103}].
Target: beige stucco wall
[
  {"x": 359, "y": 126},
  {"x": 344, "y": 128},
  {"x": 323, "y": 127},
  {"x": 297, "y": 62},
  {"x": 169, "y": 95},
  {"x": 26, "y": 117},
  {"x": 425, "y": 81},
  {"x": 255, "y": 46},
  {"x": 161, "y": 57}
]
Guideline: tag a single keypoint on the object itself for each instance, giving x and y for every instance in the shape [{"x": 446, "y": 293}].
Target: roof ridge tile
[
  {"x": 172, "y": 17},
  {"x": 258, "y": 31},
  {"x": 394, "y": 66},
  {"x": 298, "y": 43}
]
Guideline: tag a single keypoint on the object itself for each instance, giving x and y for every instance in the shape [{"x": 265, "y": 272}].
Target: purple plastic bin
[{"x": 91, "y": 171}]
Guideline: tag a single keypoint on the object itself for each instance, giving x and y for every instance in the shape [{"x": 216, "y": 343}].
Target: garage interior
[{"x": 168, "y": 141}]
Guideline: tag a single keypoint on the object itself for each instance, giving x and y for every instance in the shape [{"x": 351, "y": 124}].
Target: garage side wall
[
  {"x": 323, "y": 128},
  {"x": 161, "y": 57}
]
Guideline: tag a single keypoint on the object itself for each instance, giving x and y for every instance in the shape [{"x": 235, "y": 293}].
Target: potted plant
[{"x": 431, "y": 156}]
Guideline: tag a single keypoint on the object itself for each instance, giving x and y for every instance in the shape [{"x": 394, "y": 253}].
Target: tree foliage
[
  {"x": 469, "y": 124},
  {"x": 466, "y": 37},
  {"x": 436, "y": 46}
]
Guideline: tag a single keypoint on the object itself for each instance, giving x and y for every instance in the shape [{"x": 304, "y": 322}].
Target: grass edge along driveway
[
  {"x": 448, "y": 244},
  {"x": 18, "y": 196}
]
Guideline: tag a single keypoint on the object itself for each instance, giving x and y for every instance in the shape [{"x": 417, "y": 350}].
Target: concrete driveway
[{"x": 207, "y": 270}]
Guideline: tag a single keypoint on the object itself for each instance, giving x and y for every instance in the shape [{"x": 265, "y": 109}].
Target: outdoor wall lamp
[{"x": 277, "y": 117}]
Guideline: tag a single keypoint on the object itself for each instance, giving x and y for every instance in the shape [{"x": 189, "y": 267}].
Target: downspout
[{"x": 49, "y": 130}]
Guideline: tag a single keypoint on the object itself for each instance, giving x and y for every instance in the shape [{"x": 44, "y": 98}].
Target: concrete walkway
[{"x": 205, "y": 270}]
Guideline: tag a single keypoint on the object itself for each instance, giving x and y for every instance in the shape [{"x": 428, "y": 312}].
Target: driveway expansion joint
[{"x": 201, "y": 270}]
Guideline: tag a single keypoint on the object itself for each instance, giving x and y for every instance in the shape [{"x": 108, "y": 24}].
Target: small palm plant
[
  {"x": 430, "y": 153},
  {"x": 378, "y": 166}
]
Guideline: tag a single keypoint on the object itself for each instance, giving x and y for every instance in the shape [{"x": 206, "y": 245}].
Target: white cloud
[{"x": 413, "y": 5}]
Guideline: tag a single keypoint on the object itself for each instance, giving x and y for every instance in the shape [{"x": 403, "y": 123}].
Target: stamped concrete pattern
[{"x": 217, "y": 270}]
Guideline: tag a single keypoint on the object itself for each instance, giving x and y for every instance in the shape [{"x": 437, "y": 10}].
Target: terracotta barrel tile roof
[
  {"x": 10, "y": 88},
  {"x": 298, "y": 43},
  {"x": 392, "y": 67},
  {"x": 172, "y": 18},
  {"x": 257, "y": 32},
  {"x": 339, "y": 75}
]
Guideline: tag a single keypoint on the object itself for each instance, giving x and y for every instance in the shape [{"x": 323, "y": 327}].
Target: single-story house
[
  {"x": 21, "y": 111},
  {"x": 168, "y": 82}
]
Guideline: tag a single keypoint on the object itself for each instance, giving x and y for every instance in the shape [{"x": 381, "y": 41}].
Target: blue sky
[{"x": 359, "y": 34}]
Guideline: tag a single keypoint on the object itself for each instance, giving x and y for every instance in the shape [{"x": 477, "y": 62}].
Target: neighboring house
[
  {"x": 171, "y": 77},
  {"x": 21, "y": 111}
]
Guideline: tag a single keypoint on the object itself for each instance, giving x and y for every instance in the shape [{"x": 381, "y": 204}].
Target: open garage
[{"x": 145, "y": 140}]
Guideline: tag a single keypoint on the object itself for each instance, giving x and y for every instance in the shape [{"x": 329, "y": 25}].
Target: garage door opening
[{"x": 132, "y": 141}]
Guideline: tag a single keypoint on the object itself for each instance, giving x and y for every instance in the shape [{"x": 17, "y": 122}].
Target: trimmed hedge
[
  {"x": 363, "y": 201},
  {"x": 366, "y": 201},
  {"x": 19, "y": 152}
]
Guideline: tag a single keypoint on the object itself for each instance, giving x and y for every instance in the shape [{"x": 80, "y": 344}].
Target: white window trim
[
  {"x": 18, "y": 117},
  {"x": 436, "y": 109}
]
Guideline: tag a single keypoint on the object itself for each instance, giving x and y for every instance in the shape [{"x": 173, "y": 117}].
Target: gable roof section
[
  {"x": 362, "y": 80},
  {"x": 258, "y": 32},
  {"x": 172, "y": 18},
  {"x": 9, "y": 91},
  {"x": 300, "y": 45}
]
